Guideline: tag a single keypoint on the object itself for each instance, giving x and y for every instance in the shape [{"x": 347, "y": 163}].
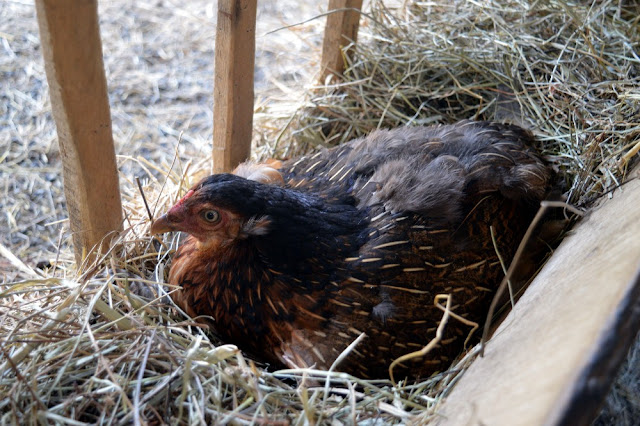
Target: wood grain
[
  {"x": 553, "y": 358},
  {"x": 233, "y": 88},
  {"x": 341, "y": 29},
  {"x": 72, "y": 52}
]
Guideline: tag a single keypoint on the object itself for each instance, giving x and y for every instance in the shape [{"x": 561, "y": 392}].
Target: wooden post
[
  {"x": 340, "y": 30},
  {"x": 233, "y": 89},
  {"x": 72, "y": 51}
]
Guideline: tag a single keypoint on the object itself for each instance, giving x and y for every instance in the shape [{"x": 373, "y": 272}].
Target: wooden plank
[
  {"x": 233, "y": 89},
  {"x": 72, "y": 51},
  {"x": 341, "y": 29},
  {"x": 554, "y": 357},
  {"x": 580, "y": 403}
]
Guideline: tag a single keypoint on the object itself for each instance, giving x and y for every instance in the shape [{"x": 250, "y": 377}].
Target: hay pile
[
  {"x": 568, "y": 70},
  {"x": 80, "y": 345}
]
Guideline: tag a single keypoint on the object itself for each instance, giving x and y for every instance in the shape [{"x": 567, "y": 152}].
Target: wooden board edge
[{"x": 582, "y": 401}]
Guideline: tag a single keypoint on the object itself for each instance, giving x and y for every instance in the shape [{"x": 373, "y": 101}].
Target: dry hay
[{"x": 80, "y": 344}]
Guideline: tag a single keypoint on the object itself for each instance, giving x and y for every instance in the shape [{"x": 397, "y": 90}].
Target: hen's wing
[{"x": 428, "y": 170}]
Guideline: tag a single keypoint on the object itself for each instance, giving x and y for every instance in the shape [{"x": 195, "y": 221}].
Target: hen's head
[
  {"x": 286, "y": 226},
  {"x": 218, "y": 209}
]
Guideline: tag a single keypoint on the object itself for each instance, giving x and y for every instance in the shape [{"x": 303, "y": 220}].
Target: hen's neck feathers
[
  {"x": 287, "y": 232},
  {"x": 306, "y": 233},
  {"x": 252, "y": 281}
]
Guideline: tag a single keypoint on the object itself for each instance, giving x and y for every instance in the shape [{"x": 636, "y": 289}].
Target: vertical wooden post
[
  {"x": 233, "y": 88},
  {"x": 72, "y": 51},
  {"x": 340, "y": 30}
]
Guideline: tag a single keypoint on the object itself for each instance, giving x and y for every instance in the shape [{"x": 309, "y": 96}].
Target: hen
[{"x": 297, "y": 261}]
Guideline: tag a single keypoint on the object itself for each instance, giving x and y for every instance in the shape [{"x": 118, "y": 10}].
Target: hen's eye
[{"x": 210, "y": 216}]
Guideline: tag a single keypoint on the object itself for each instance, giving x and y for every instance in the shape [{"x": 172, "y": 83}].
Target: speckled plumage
[{"x": 359, "y": 238}]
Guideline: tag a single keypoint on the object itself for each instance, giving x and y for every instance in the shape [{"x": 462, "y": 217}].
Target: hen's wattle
[{"x": 293, "y": 266}]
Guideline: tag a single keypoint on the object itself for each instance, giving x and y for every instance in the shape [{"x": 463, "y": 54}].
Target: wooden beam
[
  {"x": 553, "y": 359},
  {"x": 341, "y": 29},
  {"x": 72, "y": 51},
  {"x": 233, "y": 88}
]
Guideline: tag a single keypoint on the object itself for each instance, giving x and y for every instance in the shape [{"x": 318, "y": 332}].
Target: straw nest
[{"x": 101, "y": 342}]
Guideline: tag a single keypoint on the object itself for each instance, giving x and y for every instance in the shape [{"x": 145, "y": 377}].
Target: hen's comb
[{"x": 183, "y": 199}]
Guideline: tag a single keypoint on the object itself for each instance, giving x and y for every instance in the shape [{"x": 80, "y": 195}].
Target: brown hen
[{"x": 294, "y": 264}]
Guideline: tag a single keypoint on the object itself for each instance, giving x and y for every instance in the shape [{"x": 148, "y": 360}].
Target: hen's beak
[{"x": 161, "y": 225}]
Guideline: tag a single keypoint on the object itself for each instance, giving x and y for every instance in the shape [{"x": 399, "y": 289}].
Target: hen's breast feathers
[{"x": 363, "y": 236}]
